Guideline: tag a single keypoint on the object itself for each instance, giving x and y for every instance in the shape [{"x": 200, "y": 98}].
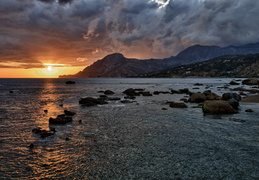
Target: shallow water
[{"x": 123, "y": 141}]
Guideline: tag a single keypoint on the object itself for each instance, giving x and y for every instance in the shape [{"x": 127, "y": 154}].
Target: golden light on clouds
[{"x": 38, "y": 72}]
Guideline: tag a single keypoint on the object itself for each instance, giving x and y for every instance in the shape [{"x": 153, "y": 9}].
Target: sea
[{"x": 144, "y": 139}]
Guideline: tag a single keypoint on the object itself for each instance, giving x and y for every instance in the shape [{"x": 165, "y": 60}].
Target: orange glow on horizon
[{"x": 47, "y": 72}]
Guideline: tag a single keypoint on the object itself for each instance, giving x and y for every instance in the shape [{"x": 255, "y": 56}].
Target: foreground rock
[
  {"x": 89, "y": 101},
  {"x": 217, "y": 107}
]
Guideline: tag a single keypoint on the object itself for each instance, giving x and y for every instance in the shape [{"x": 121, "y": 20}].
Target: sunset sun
[{"x": 49, "y": 69}]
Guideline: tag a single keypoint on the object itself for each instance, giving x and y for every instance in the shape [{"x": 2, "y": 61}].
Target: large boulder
[
  {"x": 251, "y": 81},
  {"x": 197, "y": 97},
  {"x": 217, "y": 107},
  {"x": 89, "y": 101}
]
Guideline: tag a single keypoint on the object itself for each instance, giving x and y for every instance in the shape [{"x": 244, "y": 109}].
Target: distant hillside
[
  {"x": 116, "y": 65},
  {"x": 224, "y": 66}
]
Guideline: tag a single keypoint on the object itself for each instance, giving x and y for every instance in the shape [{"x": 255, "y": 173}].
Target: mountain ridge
[{"x": 116, "y": 65}]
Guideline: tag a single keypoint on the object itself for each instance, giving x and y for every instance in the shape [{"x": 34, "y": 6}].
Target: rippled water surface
[{"x": 123, "y": 141}]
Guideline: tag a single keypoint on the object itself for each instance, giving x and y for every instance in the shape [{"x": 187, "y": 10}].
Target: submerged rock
[
  {"x": 217, "y": 107},
  {"x": 249, "y": 110},
  {"x": 177, "y": 105}
]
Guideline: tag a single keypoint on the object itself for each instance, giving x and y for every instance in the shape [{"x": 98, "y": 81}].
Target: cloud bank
[{"x": 78, "y": 32}]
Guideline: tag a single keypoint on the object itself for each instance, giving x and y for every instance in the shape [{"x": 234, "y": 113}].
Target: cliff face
[
  {"x": 116, "y": 65},
  {"x": 224, "y": 66}
]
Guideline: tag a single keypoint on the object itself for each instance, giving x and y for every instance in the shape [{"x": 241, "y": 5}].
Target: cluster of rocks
[{"x": 60, "y": 119}]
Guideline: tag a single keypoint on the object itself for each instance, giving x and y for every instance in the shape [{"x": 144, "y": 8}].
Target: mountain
[
  {"x": 224, "y": 66},
  {"x": 116, "y": 65}
]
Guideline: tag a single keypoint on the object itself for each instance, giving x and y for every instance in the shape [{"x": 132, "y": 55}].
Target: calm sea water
[{"x": 123, "y": 141}]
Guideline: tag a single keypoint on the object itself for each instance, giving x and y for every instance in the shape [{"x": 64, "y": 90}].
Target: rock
[
  {"x": 31, "y": 146},
  {"x": 129, "y": 97},
  {"x": 69, "y": 113},
  {"x": 253, "y": 91},
  {"x": 70, "y": 82},
  {"x": 139, "y": 89},
  {"x": 177, "y": 105},
  {"x": 174, "y": 91},
  {"x": 217, "y": 107},
  {"x": 146, "y": 93},
  {"x": 131, "y": 92},
  {"x": 67, "y": 139},
  {"x": 43, "y": 133},
  {"x": 234, "y": 103},
  {"x": 236, "y": 120},
  {"x": 10, "y": 91},
  {"x": 233, "y": 83},
  {"x": 113, "y": 99},
  {"x": 108, "y": 92},
  {"x": 89, "y": 101},
  {"x": 100, "y": 91},
  {"x": 126, "y": 101},
  {"x": 184, "y": 91},
  {"x": 103, "y": 96},
  {"x": 228, "y": 96},
  {"x": 60, "y": 119},
  {"x": 249, "y": 110},
  {"x": 232, "y": 98},
  {"x": 197, "y": 97},
  {"x": 46, "y": 111},
  {"x": 198, "y": 84},
  {"x": 80, "y": 121},
  {"x": 160, "y": 92},
  {"x": 250, "y": 81},
  {"x": 252, "y": 99},
  {"x": 184, "y": 100},
  {"x": 164, "y": 109}
]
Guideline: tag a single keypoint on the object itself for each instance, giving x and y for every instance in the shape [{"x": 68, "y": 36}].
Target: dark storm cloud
[
  {"x": 66, "y": 30},
  {"x": 47, "y": 1},
  {"x": 65, "y": 1}
]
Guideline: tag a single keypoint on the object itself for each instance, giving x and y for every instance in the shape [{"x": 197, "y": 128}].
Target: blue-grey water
[{"x": 123, "y": 141}]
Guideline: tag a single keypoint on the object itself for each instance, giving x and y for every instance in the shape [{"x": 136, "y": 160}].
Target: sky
[{"x": 68, "y": 35}]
